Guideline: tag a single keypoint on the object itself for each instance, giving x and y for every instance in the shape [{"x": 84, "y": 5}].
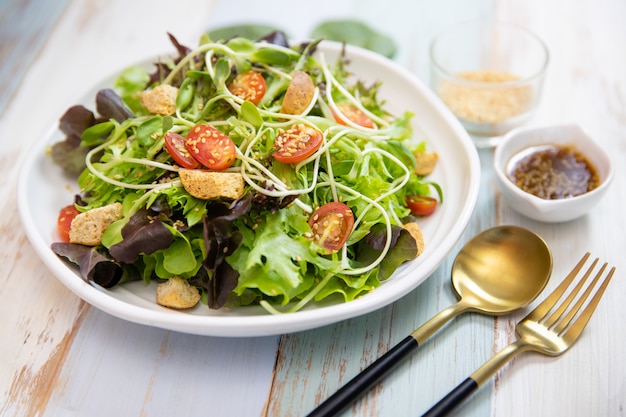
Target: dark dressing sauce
[{"x": 553, "y": 172}]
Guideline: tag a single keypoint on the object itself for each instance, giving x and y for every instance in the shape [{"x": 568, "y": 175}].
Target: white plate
[{"x": 43, "y": 190}]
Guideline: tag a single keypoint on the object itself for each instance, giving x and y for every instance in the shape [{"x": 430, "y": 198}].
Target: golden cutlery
[
  {"x": 498, "y": 271},
  {"x": 549, "y": 329}
]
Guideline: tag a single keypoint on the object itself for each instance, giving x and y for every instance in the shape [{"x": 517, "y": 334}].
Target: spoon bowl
[
  {"x": 498, "y": 271},
  {"x": 501, "y": 270}
]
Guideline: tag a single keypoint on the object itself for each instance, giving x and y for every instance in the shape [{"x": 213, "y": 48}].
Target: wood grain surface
[{"x": 61, "y": 357}]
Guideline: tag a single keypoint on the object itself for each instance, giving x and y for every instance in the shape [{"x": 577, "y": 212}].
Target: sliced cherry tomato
[
  {"x": 421, "y": 205},
  {"x": 211, "y": 147},
  {"x": 64, "y": 221},
  {"x": 354, "y": 114},
  {"x": 249, "y": 86},
  {"x": 297, "y": 143},
  {"x": 175, "y": 146},
  {"x": 331, "y": 225}
]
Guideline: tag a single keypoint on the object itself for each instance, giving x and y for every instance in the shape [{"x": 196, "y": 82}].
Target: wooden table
[{"x": 60, "y": 357}]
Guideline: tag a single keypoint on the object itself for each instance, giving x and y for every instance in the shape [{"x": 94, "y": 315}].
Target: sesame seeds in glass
[{"x": 490, "y": 75}]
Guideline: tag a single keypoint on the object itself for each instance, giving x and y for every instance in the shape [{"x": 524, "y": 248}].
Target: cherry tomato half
[
  {"x": 249, "y": 86},
  {"x": 297, "y": 143},
  {"x": 354, "y": 114},
  {"x": 64, "y": 221},
  {"x": 331, "y": 225},
  {"x": 175, "y": 146},
  {"x": 421, "y": 205},
  {"x": 211, "y": 147}
]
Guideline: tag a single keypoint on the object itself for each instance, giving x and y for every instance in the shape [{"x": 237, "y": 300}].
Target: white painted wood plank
[
  {"x": 119, "y": 368},
  {"x": 23, "y": 29}
]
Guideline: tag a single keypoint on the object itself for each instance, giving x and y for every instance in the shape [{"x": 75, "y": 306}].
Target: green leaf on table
[{"x": 356, "y": 33}]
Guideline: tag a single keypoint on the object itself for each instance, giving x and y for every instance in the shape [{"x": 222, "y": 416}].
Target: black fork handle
[{"x": 454, "y": 398}]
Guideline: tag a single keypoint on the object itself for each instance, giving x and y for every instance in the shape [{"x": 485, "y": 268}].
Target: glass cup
[{"x": 490, "y": 74}]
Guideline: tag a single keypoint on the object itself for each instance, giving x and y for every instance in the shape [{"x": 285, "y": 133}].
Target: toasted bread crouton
[
  {"x": 426, "y": 162},
  {"x": 87, "y": 228},
  {"x": 415, "y": 231},
  {"x": 160, "y": 100},
  {"x": 299, "y": 94},
  {"x": 177, "y": 293},
  {"x": 212, "y": 184}
]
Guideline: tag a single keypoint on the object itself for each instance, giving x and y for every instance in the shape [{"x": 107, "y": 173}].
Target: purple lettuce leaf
[
  {"x": 68, "y": 153},
  {"x": 93, "y": 265},
  {"x": 221, "y": 240},
  {"x": 403, "y": 248},
  {"x": 162, "y": 69},
  {"x": 109, "y": 105},
  {"x": 144, "y": 233},
  {"x": 75, "y": 120}
]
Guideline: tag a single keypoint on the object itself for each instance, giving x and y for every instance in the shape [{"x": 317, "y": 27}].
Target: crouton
[
  {"x": 160, "y": 100},
  {"x": 177, "y": 293},
  {"x": 426, "y": 162},
  {"x": 416, "y": 232},
  {"x": 87, "y": 228},
  {"x": 212, "y": 184},
  {"x": 299, "y": 94}
]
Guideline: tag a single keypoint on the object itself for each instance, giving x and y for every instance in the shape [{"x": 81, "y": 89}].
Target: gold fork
[{"x": 549, "y": 329}]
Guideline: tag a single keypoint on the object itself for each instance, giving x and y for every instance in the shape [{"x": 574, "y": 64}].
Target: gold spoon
[{"x": 498, "y": 271}]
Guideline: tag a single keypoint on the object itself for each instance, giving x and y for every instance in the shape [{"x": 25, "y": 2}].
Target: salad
[{"x": 243, "y": 172}]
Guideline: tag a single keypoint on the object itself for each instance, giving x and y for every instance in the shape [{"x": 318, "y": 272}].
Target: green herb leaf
[
  {"x": 147, "y": 129},
  {"x": 186, "y": 93},
  {"x": 241, "y": 45},
  {"x": 272, "y": 57},
  {"x": 93, "y": 135},
  {"x": 131, "y": 82},
  {"x": 251, "y": 114},
  {"x": 222, "y": 72}
]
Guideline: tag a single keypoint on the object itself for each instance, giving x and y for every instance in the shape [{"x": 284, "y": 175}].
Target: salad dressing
[{"x": 553, "y": 172}]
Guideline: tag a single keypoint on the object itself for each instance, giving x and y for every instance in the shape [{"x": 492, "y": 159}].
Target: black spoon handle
[{"x": 358, "y": 385}]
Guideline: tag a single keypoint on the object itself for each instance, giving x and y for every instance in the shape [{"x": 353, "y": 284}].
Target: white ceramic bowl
[{"x": 558, "y": 210}]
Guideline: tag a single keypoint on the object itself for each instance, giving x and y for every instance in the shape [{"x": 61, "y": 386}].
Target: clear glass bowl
[{"x": 490, "y": 74}]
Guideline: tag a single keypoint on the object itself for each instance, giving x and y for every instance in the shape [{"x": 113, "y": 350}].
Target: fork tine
[
  {"x": 566, "y": 319},
  {"x": 579, "y": 324},
  {"x": 560, "y": 310},
  {"x": 546, "y": 305}
]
